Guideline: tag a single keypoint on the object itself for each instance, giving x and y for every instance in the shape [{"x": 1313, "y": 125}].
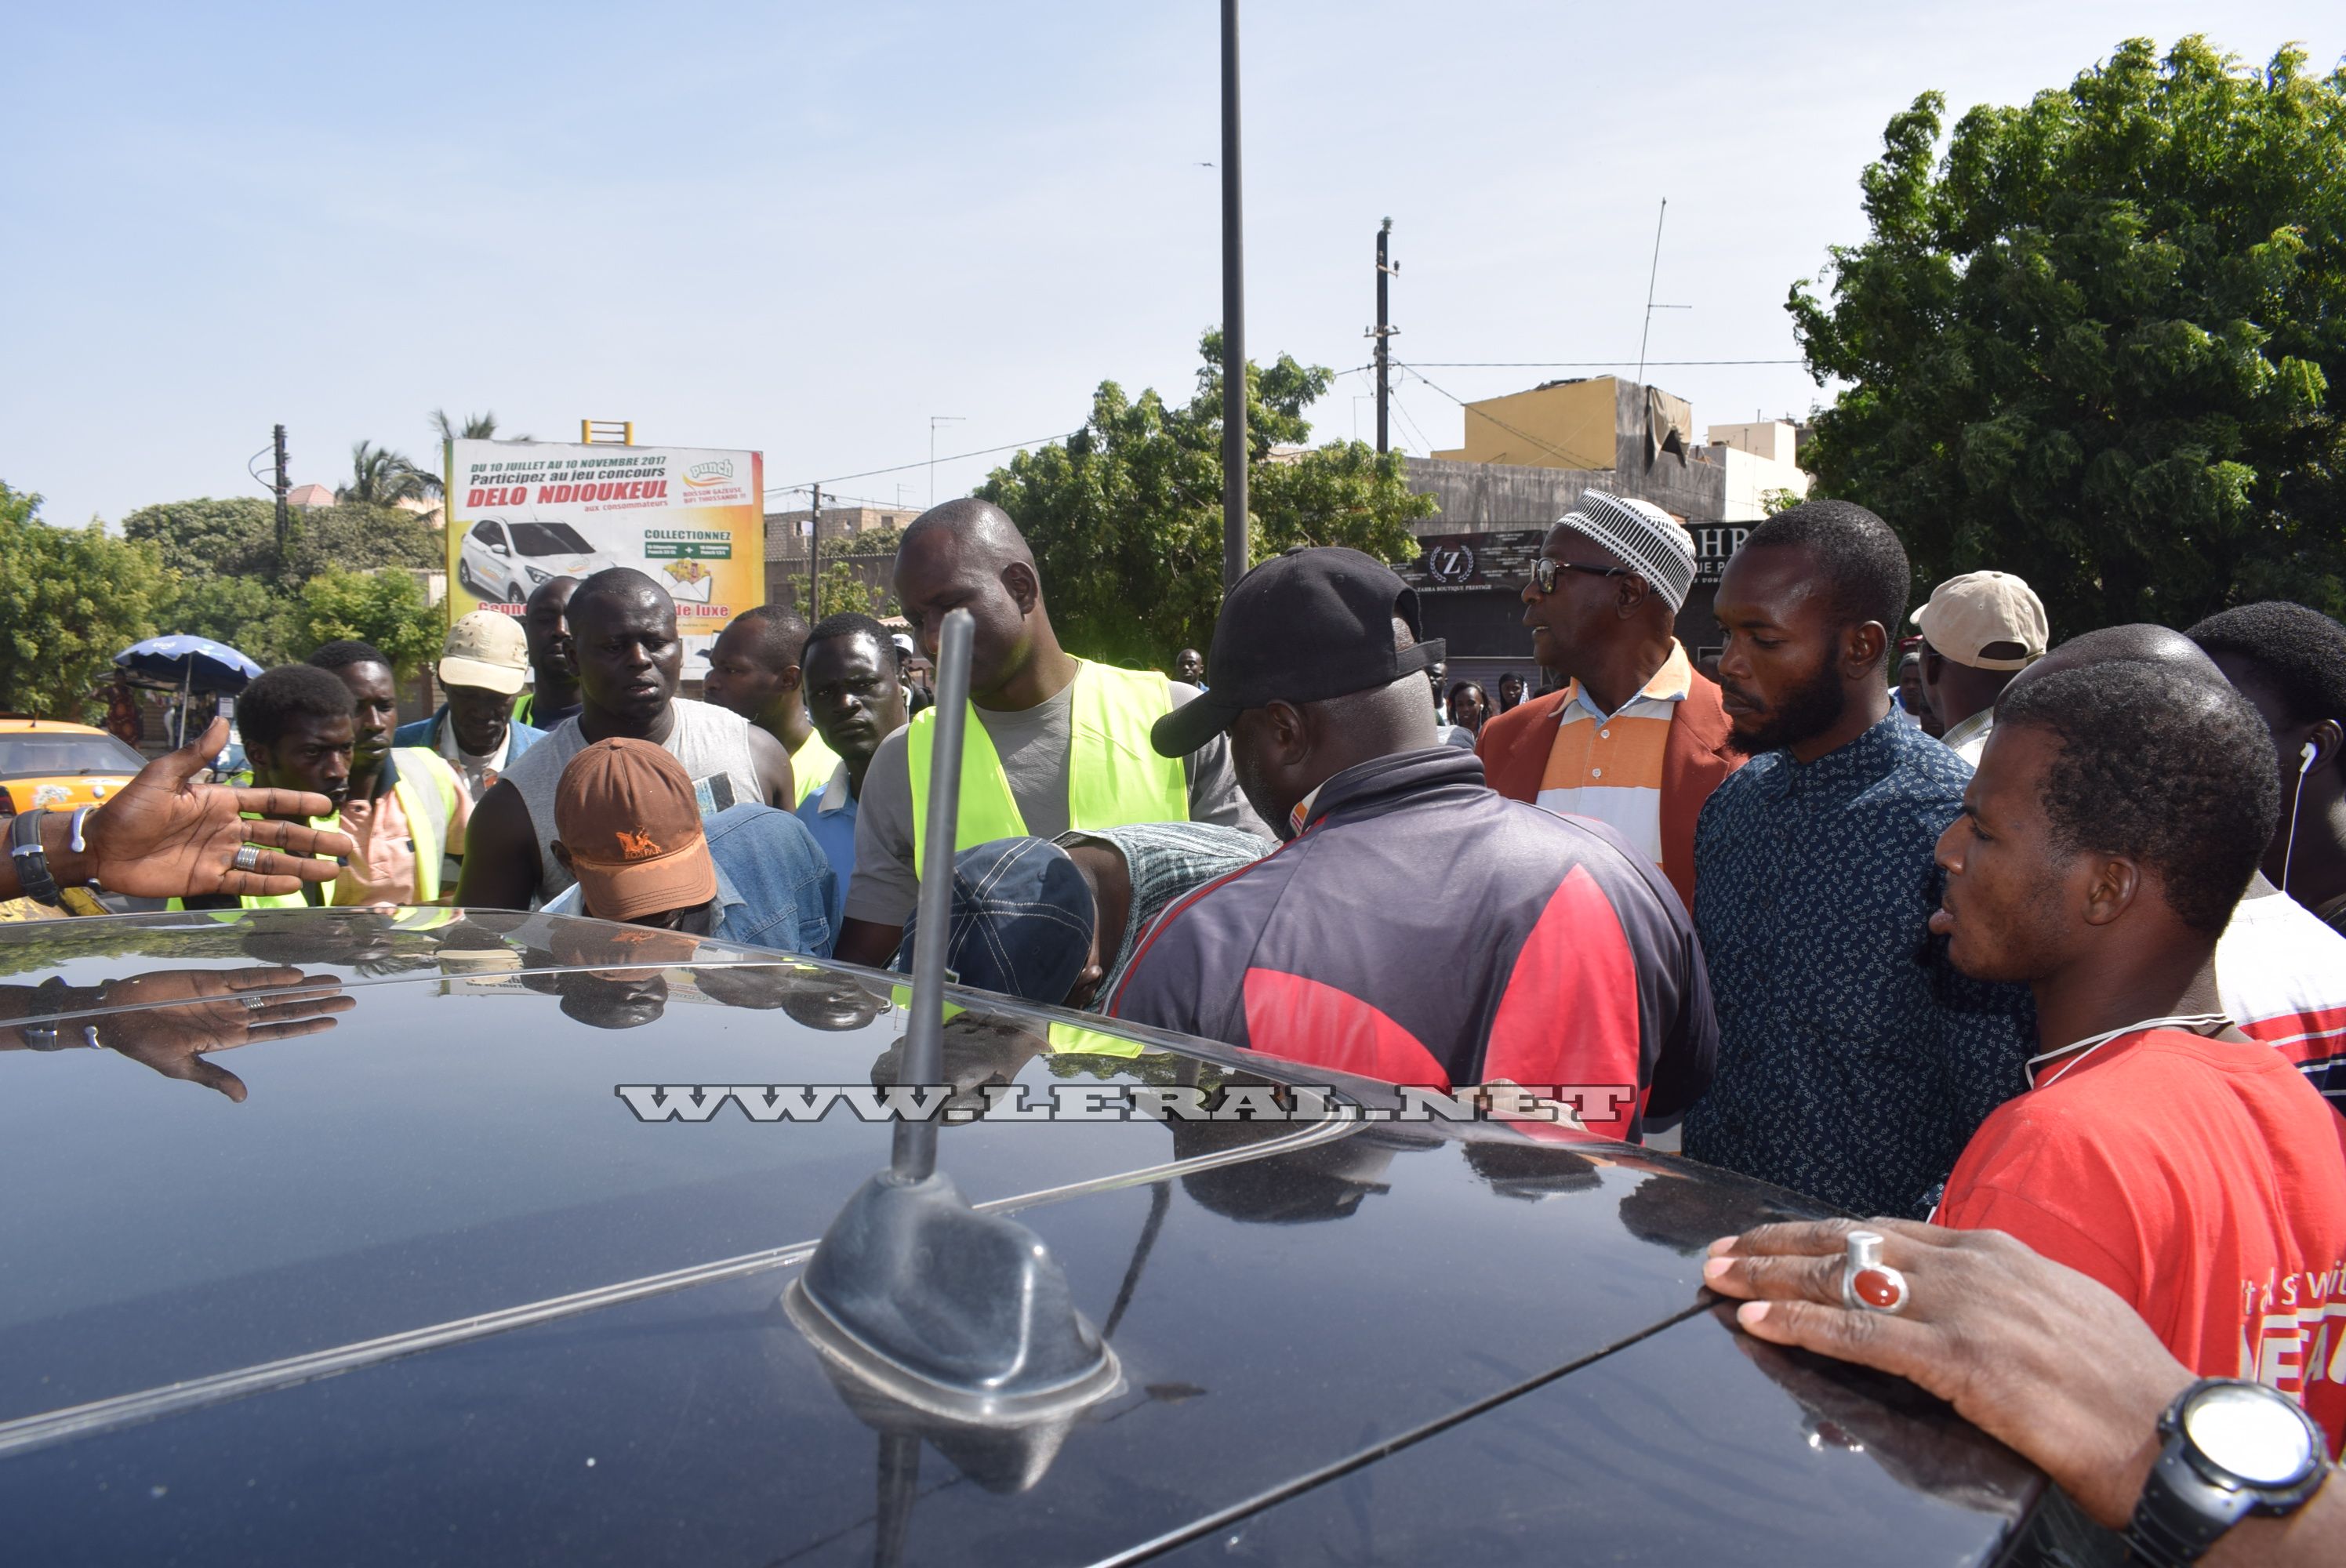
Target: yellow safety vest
[
  {"x": 1064, "y": 1038},
  {"x": 811, "y": 765},
  {"x": 427, "y": 808},
  {"x": 1115, "y": 776},
  {"x": 292, "y": 900},
  {"x": 426, "y": 791}
]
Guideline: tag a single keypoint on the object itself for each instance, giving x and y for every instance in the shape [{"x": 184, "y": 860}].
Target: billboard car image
[{"x": 520, "y": 513}]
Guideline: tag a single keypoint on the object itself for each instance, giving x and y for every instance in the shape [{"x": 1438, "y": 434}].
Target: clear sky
[{"x": 808, "y": 228}]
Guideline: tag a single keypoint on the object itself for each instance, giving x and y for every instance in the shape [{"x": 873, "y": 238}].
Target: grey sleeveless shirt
[{"x": 711, "y": 742}]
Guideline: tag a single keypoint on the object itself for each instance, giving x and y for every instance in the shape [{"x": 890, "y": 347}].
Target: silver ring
[
  {"x": 248, "y": 859},
  {"x": 1867, "y": 1284}
]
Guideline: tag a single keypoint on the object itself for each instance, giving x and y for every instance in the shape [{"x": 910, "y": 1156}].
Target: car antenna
[{"x": 963, "y": 1314}]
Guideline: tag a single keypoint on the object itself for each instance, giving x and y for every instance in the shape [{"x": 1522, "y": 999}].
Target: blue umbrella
[{"x": 191, "y": 665}]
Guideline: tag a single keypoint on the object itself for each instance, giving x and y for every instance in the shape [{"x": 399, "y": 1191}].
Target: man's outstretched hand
[{"x": 165, "y": 836}]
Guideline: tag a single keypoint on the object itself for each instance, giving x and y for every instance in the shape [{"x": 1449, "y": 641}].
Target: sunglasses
[{"x": 1545, "y": 569}]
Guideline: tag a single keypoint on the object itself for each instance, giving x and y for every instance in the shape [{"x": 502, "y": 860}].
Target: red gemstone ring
[{"x": 1867, "y": 1284}]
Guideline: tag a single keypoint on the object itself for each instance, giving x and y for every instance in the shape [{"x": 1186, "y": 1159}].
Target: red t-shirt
[{"x": 2203, "y": 1181}]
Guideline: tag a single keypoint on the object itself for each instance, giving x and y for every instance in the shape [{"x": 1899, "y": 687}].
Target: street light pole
[{"x": 1235, "y": 448}]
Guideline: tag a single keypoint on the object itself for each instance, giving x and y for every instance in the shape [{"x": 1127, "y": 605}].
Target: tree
[
  {"x": 238, "y": 538},
  {"x": 1125, "y": 518},
  {"x": 2090, "y": 343},
  {"x": 472, "y": 427},
  {"x": 381, "y": 477},
  {"x": 245, "y": 613},
  {"x": 384, "y": 608},
  {"x": 70, "y": 599}
]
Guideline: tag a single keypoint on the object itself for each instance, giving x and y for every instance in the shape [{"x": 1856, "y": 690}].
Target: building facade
[{"x": 1527, "y": 458}]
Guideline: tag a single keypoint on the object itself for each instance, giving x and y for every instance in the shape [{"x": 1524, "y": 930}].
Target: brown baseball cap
[{"x": 625, "y": 812}]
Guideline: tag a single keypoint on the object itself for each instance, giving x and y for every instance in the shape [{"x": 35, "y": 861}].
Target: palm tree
[
  {"x": 475, "y": 427},
  {"x": 381, "y": 477}
]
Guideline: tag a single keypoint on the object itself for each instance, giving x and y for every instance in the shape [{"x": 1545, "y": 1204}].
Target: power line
[
  {"x": 1572, "y": 459},
  {"x": 923, "y": 462},
  {"x": 1584, "y": 364},
  {"x": 1415, "y": 428}
]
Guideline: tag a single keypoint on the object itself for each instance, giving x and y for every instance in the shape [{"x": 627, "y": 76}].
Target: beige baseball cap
[
  {"x": 486, "y": 648},
  {"x": 1988, "y": 620}
]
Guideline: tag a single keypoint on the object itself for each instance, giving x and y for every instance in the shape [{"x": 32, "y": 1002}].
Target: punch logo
[
  {"x": 716, "y": 471},
  {"x": 637, "y": 845}
]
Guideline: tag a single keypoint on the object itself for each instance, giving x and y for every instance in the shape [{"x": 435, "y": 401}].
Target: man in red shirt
[{"x": 2118, "y": 814}]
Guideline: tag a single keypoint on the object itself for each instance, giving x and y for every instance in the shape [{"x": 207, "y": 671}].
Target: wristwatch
[
  {"x": 32, "y": 862},
  {"x": 2232, "y": 1449}
]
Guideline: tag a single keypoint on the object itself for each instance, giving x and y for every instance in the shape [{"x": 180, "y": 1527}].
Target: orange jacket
[{"x": 1514, "y": 744}]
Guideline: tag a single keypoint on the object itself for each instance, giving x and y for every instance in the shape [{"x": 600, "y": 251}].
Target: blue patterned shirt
[{"x": 1854, "y": 1062}]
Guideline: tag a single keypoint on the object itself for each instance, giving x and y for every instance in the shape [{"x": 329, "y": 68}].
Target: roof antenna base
[{"x": 960, "y": 1315}]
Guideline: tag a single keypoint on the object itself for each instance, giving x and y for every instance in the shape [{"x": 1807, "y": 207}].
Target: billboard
[{"x": 691, "y": 519}]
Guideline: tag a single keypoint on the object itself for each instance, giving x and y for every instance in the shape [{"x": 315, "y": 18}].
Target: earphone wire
[{"x": 2296, "y": 798}]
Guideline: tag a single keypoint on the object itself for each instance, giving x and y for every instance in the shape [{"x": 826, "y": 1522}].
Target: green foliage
[
  {"x": 238, "y": 538},
  {"x": 379, "y": 477},
  {"x": 870, "y": 542},
  {"x": 385, "y": 607},
  {"x": 2092, "y": 343},
  {"x": 245, "y": 613},
  {"x": 844, "y": 590},
  {"x": 1125, "y": 518},
  {"x": 70, "y": 599}
]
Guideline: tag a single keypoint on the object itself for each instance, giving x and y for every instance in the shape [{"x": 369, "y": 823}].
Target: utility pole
[
  {"x": 284, "y": 518},
  {"x": 1235, "y": 448},
  {"x": 814, "y": 557},
  {"x": 1382, "y": 331}
]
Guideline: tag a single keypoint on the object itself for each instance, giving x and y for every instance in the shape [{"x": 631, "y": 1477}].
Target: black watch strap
[
  {"x": 2181, "y": 1515},
  {"x": 31, "y": 860},
  {"x": 2190, "y": 1499}
]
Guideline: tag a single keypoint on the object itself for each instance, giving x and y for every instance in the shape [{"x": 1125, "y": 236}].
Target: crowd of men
[{"x": 2016, "y": 935}]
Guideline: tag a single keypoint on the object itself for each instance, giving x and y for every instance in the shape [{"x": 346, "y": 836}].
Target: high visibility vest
[
  {"x": 1064, "y": 1038},
  {"x": 811, "y": 765},
  {"x": 426, "y": 786},
  {"x": 292, "y": 900},
  {"x": 1115, "y": 776}
]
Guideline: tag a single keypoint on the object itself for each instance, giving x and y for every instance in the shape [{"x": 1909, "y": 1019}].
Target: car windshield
[
  {"x": 45, "y": 756},
  {"x": 548, "y": 539}
]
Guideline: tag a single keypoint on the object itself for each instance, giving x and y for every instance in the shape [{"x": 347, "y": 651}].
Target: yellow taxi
[{"x": 45, "y": 763}]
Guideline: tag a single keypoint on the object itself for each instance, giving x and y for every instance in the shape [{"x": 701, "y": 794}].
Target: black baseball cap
[{"x": 1304, "y": 627}]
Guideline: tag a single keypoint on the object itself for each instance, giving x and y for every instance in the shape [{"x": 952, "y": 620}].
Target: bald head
[
  {"x": 772, "y": 635},
  {"x": 976, "y": 531},
  {"x": 619, "y": 588},
  {"x": 2140, "y": 642},
  {"x": 967, "y": 555}
]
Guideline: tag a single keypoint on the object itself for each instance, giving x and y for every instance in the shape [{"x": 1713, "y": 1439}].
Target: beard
[{"x": 1810, "y": 708}]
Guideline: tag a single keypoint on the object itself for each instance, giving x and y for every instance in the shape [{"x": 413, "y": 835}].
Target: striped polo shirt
[{"x": 1608, "y": 766}]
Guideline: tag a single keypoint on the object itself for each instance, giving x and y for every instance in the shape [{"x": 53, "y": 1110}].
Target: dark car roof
[{"x": 433, "y": 1290}]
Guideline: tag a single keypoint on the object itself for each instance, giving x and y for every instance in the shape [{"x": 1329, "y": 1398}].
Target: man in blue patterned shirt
[{"x": 1853, "y": 1061}]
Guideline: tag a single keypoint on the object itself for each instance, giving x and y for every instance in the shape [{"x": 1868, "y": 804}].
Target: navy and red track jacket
[{"x": 1421, "y": 929}]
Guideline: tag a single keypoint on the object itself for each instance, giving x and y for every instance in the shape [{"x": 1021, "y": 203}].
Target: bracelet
[{"x": 75, "y": 842}]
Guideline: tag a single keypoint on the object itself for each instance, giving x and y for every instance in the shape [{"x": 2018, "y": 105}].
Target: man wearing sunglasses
[{"x": 1635, "y": 738}]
